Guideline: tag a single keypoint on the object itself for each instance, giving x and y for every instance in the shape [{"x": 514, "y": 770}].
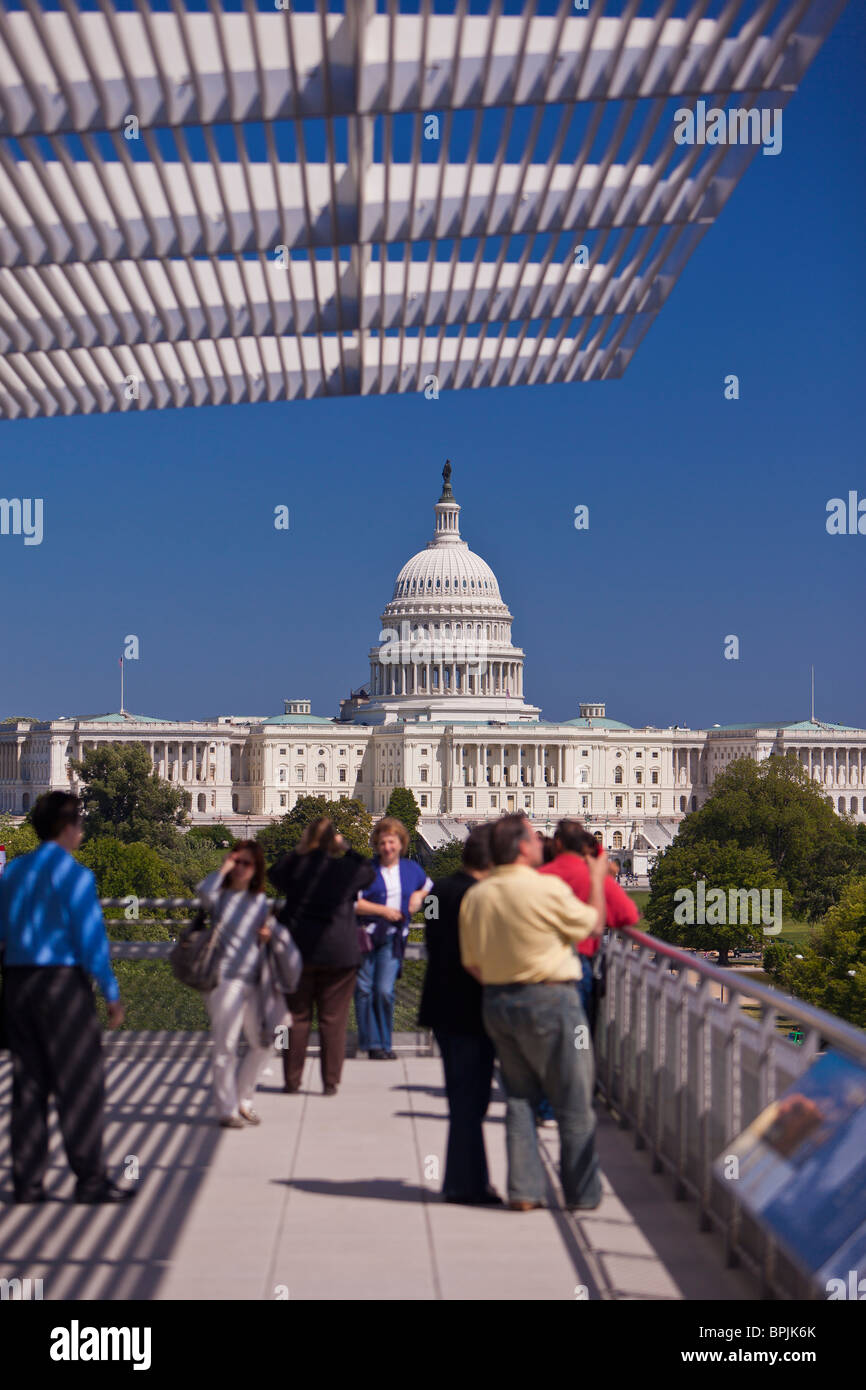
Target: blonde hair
[{"x": 390, "y": 825}]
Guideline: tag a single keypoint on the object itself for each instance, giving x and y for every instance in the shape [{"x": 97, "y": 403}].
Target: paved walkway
[{"x": 338, "y": 1199}]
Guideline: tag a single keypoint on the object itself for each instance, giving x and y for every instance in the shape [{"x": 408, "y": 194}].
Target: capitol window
[
  {"x": 299, "y": 774},
  {"x": 342, "y": 774},
  {"x": 470, "y": 800},
  {"x": 638, "y": 777},
  {"x": 654, "y": 777},
  {"x": 638, "y": 801},
  {"x": 423, "y": 799},
  {"x": 617, "y": 803},
  {"x": 282, "y": 774},
  {"x": 617, "y": 775},
  {"x": 282, "y": 798},
  {"x": 423, "y": 774}
]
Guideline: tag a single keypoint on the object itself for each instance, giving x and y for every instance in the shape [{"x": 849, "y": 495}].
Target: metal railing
[
  {"x": 688, "y": 1072},
  {"x": 160, "y": 950}
]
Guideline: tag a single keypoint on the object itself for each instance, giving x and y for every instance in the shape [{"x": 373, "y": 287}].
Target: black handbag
[{"x": 195, "y": 959}]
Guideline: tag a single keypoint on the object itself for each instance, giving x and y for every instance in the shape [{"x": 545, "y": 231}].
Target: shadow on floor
[{"x": 109, "y": 1252}]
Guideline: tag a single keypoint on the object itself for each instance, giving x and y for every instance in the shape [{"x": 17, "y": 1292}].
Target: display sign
[{"x": 800, "y": 1171}]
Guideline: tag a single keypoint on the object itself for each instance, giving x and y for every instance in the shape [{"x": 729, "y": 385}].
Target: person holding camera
[{"x": 320, "y": 880}]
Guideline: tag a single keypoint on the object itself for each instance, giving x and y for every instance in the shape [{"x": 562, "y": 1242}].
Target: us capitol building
[{"x": 443, "y": 713}]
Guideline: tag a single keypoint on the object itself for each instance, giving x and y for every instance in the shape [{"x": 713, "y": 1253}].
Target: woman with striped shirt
[{"x": 239, "y": 911}]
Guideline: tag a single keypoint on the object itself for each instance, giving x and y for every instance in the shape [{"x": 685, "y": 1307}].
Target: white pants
[{"x": 232, "y": 1008}]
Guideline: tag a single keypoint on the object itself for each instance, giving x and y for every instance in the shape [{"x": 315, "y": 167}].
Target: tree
[
  {"x": 124, "y": 798},
  {"x": 775, "y": 806},
  {"x": 218, "y": 835},
  {"x": 17, "y": 839},
  {"x": 447, "y": 859},
  {"x": 351, "y": 818},
  {"x": 129, "y": 869},
  {"x": 192, "y": 858},
  {"x": 831, "y": 973},
  {"x": 674, "y": 887},
  {"x": 405, "y": 808}
]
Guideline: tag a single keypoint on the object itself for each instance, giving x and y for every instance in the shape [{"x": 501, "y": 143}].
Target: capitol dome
[
  {"x": 445, "y": 644},
  {"x": 454, "y": 570}
]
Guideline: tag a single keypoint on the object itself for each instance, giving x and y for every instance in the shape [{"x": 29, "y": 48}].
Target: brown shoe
[{"x": 525, "y": 1206}]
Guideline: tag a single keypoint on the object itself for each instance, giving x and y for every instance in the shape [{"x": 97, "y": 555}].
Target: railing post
[{"x": 704, "y": 1095}]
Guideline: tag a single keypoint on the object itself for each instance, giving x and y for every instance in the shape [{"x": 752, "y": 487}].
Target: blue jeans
[
  {"x": 585, "y": 991},
  {"x": 534, "y": 1030},
  {"x": 374, "y": 997},
  {"x": 585, "y": 985}
]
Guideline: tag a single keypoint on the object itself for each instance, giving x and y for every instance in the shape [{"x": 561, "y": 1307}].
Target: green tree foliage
[
  {"x": 17, "y": 839},
  {"x": 123, "y": 869},
  {"x": 124, "y": 798},
  {"x": 727, "y": 867},
  {"x": 351, "y": 818},
  {"x": 192, "y": 858},
  {"x": 447, "y": 859},
  {"x": 405, "y": 808},
  {"x": 832, "y": 971},
  {"x": 217, "y": 835},
  {"x": 776, "y": 807}
]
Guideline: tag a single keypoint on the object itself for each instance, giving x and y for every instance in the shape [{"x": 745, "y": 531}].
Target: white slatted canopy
[{"x": 258, "y": 204}]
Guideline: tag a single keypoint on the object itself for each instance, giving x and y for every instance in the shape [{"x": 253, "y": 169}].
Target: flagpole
[
  {"x": 121, "y": 685},
  {"x": 813, "y": 694}
]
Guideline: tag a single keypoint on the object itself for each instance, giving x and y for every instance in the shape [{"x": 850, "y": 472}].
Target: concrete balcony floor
[{"x": 336, "y": 1198}]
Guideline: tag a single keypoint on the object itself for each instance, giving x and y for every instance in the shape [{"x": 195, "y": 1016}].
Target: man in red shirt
[{"x": 572, "y": 845}]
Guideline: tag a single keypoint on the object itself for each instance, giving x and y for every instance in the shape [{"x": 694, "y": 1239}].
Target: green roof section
[
  {"x": 298, "y": 719},
  {"x": 799, "y": 726},
  {"x": 603, "y": 723}
]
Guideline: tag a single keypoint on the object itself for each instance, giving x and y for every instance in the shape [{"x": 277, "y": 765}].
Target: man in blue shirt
[{"x": 53, "y": 940}]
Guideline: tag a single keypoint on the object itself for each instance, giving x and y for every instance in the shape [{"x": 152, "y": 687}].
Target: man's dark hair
[
  {"x": 53, "y": 812},
  {"x": 571, "y": 835},
  {"x": 575, "y": 839},
  {"x": 476, "y": 850},
  {"x": 505, "y": 839}
]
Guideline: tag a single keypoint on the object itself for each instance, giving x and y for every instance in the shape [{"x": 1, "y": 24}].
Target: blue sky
[{"x": 707, "y": 516}]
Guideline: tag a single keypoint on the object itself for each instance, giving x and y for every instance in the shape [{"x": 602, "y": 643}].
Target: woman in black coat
[{"x": 320, "y": 881}]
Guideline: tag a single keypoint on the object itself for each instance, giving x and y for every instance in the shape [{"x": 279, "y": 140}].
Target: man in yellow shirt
[{"x": 518, "y": 930}]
